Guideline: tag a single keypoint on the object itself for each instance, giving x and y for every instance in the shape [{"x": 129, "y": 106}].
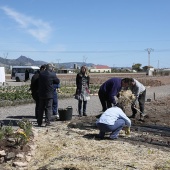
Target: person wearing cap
[
  {"x": 139, "y": 90},
  {"x": 34, "y": 89},
  {"x": 46, "y": 92},
  {"x": 113, "y": 120}
]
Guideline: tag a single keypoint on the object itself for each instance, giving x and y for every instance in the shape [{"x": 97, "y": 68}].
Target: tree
[{"x": 136, "y": 67}]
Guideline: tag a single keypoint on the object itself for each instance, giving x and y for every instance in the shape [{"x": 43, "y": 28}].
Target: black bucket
[{"x": 65, "y": 114}]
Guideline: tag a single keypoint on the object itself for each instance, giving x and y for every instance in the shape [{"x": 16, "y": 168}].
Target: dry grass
[{"x": 73, "y": 146}]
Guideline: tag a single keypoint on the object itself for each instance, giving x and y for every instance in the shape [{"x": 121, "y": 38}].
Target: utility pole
[
  {"x": 158, "y": 65},
  {"x": 58, "y": 62},
  {"x": 84, "y": 59},
  {"x": 149, "y": 50}
]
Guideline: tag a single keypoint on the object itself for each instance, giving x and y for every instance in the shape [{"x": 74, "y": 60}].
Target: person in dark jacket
[
  {"x": 55, "y": 100},
  {"x": 34, "y": 89},
  {"x": 109, "y": 90},
  {"x": 26, "y": 74},
  {"x": 46, "y": 91},
  {"x": 82, "y": 83}
]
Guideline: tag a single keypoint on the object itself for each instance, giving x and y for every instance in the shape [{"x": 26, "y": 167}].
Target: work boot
[
  {"x": 80, "y": 114},
  {"x": 84, "y": 114},
  {"x": 132, "y": 116}
]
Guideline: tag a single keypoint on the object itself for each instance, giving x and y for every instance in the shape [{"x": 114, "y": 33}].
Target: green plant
[
  {"x": 8, "y": 130},
  {"x": 26, "y": 125}
]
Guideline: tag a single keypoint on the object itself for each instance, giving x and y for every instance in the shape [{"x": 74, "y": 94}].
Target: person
[
  {"x": 55, "y": 100},
  {"x": 82, "y": 90},
  {"x": 26, "y": 74},
  {"x": 109, "y": 90},
  {"x": 113, "y": 120},
  {"x": 46, "y": 91},
  {"x": 34, "y": 89},
  {"x": 139, "y": 91}
]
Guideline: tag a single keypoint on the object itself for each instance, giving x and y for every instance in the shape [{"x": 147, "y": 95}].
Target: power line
[{"x": 76, "y": 51}]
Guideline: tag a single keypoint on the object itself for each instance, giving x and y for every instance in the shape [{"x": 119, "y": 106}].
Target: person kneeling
[{"x": 112, "y": 120}]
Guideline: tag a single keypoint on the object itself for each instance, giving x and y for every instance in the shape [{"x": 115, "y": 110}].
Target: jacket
[
  {"x": 111, "y": 88},
  {"x": 46, "y": 81},
  {"x": 79, "y": 82},
  {"x": 111, "y": 115}
]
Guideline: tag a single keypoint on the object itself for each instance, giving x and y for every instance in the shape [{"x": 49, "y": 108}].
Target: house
[{"x": 100, "y": 69}]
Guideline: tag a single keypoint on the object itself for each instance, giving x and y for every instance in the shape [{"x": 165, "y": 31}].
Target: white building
[{"x": 100, "y": 69}]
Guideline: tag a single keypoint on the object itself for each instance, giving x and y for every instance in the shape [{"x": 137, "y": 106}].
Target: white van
[{"x": 19, "y": 72}]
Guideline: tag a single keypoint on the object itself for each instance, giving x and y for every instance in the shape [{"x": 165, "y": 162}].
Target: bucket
[{"x": 65, "y": 114}]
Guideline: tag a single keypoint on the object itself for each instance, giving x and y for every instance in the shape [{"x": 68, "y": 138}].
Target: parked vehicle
[{"x": 23, "y": 73}]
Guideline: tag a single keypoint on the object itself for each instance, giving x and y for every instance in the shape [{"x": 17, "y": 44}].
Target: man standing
[
  {"x": 46, "y": 91},
  {"x": 34, "y": 87}
]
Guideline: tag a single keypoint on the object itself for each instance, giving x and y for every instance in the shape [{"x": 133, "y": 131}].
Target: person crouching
[{"x": 113, "y": 120}]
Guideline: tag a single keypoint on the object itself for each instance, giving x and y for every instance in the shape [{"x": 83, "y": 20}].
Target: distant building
[
  {"x": 100, "y": 69},
  {"x": 66, "y": 71}
]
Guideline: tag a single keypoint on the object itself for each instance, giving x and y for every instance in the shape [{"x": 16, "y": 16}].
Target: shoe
[
  {"x": 99, "y": 137},
  {"x": 141, "y": 120},
  {"x": 143, "y": 115},
  {"x": 80, "y": 115},
  {"x": 39, "y": 123},
  {"x": 84, "y": 114},
  {"x": 98, "y": 116},
  {"x": 48, "y": 124},
  {"x": 113, "y": 137},
  {"x": 132, "y": 116}
]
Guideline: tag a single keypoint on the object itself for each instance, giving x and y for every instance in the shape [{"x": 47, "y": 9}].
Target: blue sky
[{"x": 108, "y": 32}]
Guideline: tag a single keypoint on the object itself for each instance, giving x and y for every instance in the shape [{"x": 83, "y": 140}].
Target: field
[{"x": 71, "y": 145}]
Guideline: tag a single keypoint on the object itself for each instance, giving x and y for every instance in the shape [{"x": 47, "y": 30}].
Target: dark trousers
[
  {"x": 45, "y": 105},
  {"x": 36, "y": 98},
  {"x": 141, "y": 100},
  {"x": 105, "y": 102},
  {"x": 55, "y": 104},
  {"x": 80, "y": 106}
]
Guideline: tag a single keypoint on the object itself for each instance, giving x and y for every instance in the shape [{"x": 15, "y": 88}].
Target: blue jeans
[{"x": 115, "y": 129}]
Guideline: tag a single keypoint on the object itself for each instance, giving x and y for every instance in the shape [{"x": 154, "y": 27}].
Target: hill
[{"x": 25, "y": 61}]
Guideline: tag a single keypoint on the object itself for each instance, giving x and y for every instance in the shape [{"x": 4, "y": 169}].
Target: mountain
[{"x": 22, "y": 60}]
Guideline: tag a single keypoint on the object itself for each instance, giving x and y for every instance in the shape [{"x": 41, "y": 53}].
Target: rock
[
  {"x": 20, "y": 155},
  {"x": 2, "y": 159},
  {"x": 28, "y": 158},
  {"x": 2, "y": 153},
  {"x": 20, "y": 164},
  {"x": 9, "y": 156}
]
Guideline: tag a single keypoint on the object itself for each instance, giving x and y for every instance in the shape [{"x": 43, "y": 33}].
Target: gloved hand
[
  {"x": 127, "y": 130},
  {"x": 133, "y": 106},
  {"x": 134, "y": 103}
]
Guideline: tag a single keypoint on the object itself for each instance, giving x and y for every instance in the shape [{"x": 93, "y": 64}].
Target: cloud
[{"x": 37, "y": 28}]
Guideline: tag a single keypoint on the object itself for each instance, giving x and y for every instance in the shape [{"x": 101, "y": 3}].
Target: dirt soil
[{"x": 72, "y": 145}]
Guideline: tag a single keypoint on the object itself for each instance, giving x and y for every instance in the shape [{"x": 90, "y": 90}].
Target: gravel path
[{"x": 93, "y": 107}]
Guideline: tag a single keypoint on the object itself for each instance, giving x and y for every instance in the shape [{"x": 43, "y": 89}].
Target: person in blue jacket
[
  {"x": 55, "y": 100},
  {"x": 109, "y": 89}
]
